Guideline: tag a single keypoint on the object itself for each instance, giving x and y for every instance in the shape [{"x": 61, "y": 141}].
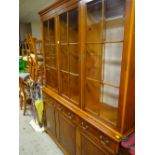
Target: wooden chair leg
[
  {"x": 24, "y": 107},
  {"x": 21, "y": 102}
]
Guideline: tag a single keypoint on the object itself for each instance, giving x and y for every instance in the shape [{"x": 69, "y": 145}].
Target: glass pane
[
  {"x": 63, "y": 28},
  {"x": 51, "y": 78},
  {"x": 109, "y": 103},
  {"x": 115, "y": 30},
  {"x": 93, "y": 61},
  {"x": 114, "y": 8},
  {"x": 112, "y": 63},
  {"x": 64, "y": 83},
  {"x": 94, "y": 21},
  {"x": 74, "y": 88},
  {"x": 73, "y": 25},
  {"x": 45, "y": 31},
  {"x": 50, "y": 50},
  {"x": 74, "y": 58},
  {"x": 114, "y": 19},
  {"x": 51, "y": 31},
  {"x": 110, "y": 96},
  {"x": 50, "y": 61},
  {"x": 92, "y": 96},
  {"x": 64, "y": 57}
]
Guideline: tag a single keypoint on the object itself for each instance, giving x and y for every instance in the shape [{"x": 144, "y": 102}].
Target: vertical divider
[
  {"x": 82, "y": 18},
  {"x": 43, "y": 42},
  {"x": 57, "y": 41},
  {"x": 68, "y": 55},
  {"x": 102, "y": 54}
]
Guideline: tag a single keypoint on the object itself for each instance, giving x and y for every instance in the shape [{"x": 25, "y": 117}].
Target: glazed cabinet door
[
  {"x": 49, "y": 34},
  {"x": 50, "y": 123},
  {"x": 103, "y": 49},
  {"x": 69, "y": 54},
  {"x": 66, "y": 131}
]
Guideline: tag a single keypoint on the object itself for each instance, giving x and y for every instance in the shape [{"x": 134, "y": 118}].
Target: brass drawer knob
[
  {"x": 84, "y": 127},
  {"x": 60, "y": 108},
  {"x": 103, "y": 140}
]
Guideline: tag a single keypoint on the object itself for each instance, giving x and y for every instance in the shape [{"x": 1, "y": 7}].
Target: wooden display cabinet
[{"x": 90, "y": 71}]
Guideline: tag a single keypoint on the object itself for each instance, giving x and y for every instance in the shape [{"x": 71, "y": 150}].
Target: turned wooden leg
[
  {"x": 24, "y": 106},
  {"x": 21, "y": 102}
]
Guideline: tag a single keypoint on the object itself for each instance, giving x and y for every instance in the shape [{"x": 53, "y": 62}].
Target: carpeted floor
[{"x": 34, "y": 143}]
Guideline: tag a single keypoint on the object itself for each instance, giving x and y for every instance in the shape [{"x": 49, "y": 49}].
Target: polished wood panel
[
  {"x": 89, "y": 145},
  {"x": 50, "y": 124},
  {"x": 67, "y": 134}
]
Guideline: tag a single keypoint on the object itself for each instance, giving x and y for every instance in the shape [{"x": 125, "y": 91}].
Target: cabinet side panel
[
  {"x": 128, "y": 79},
  {"x": 129, "y": 119}
]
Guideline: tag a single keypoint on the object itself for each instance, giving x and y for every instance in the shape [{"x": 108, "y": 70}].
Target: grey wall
[{"x": 24, "y": 29}]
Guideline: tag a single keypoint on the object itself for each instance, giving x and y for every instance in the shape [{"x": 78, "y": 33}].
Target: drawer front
[
  {"x": 100, "y": 138},
  {"x": 48, "y": 99},
  {"x": 69, "y": 114}
]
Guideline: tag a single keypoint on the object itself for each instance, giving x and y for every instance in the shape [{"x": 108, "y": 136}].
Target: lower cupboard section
[{"x": 74, "y": 135}]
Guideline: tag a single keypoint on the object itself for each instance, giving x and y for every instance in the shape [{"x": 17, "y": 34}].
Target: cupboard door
[
  {"x": 104, "y": 49},
  {"x": 69, "y": 55},
  {"x": 50, "y": 53},
  {"x": 67, "y": 133},
  {"x": 50, "y": 117},
  {"x": 88, "y": 145}
]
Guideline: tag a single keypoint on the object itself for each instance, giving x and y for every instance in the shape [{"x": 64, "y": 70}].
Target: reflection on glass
[
  {"x": 74, "y": 58},
  {"x": 64, "y": 57},
  {"x": 112, "y": 63},
  {"x": 73, "y": 26},
  {"x": 63, "y": 28},
  {"x": 50, "y": 61},
  {"x": 50, "y": 50},
  {"x": 51, "y": 78},
  {"x": 74, "y": 88},
  {"x": 110, "y": 96},
  {"x": 64, "y": 83},
  {"x": 45, "y": 31},
  {"x": 92, "y": 96},
  {"x": 114, "y": 19},
  {"x": 51, "y": 31},
  {"x": 109, "y": 104},
  {"x": 94, "y": 21},
  {"x": 114, "y": 8},
  {"x": 93, "y": 61}
]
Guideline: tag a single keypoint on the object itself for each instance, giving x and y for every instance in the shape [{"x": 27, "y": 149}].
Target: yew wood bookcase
[{"x": 89, "y": 94}]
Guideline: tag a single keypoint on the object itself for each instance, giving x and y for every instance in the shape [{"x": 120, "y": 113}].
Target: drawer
[
  {"x": 48, "y": 99},
  {"x": 100, "y": 138},
  {"x": 67, "y": 113}
]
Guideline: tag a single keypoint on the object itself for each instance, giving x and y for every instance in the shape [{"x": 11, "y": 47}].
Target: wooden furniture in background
[
  {"x": 89, "y": 72},
  {"x": 35, "y": 52}
]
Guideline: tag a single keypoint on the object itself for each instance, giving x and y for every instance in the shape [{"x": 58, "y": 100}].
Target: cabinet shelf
[
  {"x": 71, "y": 73},
  {"x": 114, "y": 18},
  {"x": 50, "y": 67},
  {"x": 101, "y": 82}
]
